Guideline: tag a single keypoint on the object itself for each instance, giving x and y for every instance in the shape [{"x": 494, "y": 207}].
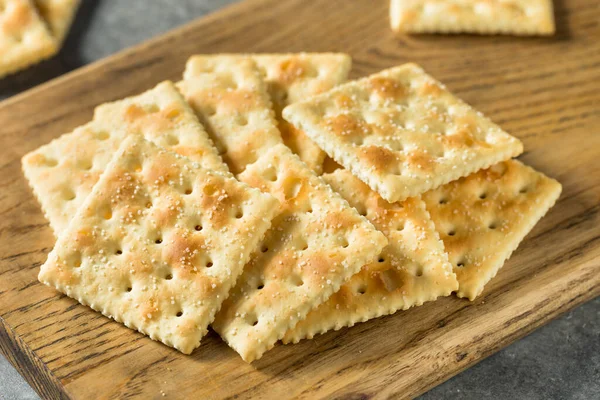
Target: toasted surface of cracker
[
  {"x": 315, "y": 244},
  {"x": 401, "y": 132},
  {"x": 63, "y": 172},
  {"x": 229, "y": 96},
  {"x": 412, "y": 269},
  {"x": 517, "y": 17},
  {"x": 58, "y": 14},
  {"x": 158, "y": 243},
  {"x": 24, "y": 37},
  {"x": 293, "y": 77},
  {"x": 482, "y": 218}
]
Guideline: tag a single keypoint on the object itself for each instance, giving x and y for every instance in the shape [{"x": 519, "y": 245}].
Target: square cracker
[
  {"x": 412, "y": 269},
  {"x": 517, "y": 17},
  {"x": 290, "y": 78},
  {"x": 315, "y": 244},
  {"x": 158, "y": 243},
  {"x": 401, "y": 132},
  {"x": 63, "y": 172},
  {"x": 58, "y": 15},
  {"x": 24, "y": 37},
  {"x": 482, "y": 218}
]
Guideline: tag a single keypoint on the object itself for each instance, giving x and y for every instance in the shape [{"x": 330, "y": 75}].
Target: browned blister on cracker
[
  {"x": 24, "y": 37},
  {"x": 482, "y": 218},
  {"x": 289, "y": 78},
  {"x": 158, "y": 243},
  {"x": 63, "y": 172},
  {"x": 512, "y": 17},
  {"x": 402, "y": 132},
  {"x": 412, "y": 269}
]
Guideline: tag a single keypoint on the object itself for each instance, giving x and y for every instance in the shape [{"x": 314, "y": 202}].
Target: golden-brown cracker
[
  {"x": 58, "y": 14},
  {"x": 401, "y": 132},
  {"x": 516, "y": 17},
  {"x": 315, "y": 244},
  {"x": 290, "y": 78},
  {"x": 63, "y": 172},
  {"x": 229, "y": 96},
  {"x": 412, "y": 269},
  {"x": 24, "y": 37},
  {"x": 158, "y": 243},
  {"x": 482, "y": 218}
]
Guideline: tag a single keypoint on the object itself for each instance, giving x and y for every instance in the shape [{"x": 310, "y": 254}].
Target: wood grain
[{"x": 546, "y": 91}]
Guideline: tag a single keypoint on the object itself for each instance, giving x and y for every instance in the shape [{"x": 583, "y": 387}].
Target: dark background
[{"x": 558, "y": 361}]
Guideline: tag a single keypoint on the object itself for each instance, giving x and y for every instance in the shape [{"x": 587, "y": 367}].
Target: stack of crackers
[
  {"x": 32, "y": 30},
  {"x": 268, "y": 198}
]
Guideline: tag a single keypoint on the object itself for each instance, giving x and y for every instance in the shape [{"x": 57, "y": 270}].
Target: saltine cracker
[
  {"x": 512, "y": 17},
  {"x": 63, "y": 172},
  {"x": 483, "y": 217},
  {"x": 24, "y": 37},
  {"x": 158, "y": 243},
  {"x": 316, "y": 243},
  {"x": 401, "y": 132}
]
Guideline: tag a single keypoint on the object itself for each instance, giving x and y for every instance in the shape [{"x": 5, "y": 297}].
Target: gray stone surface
[{"x": 558, "y": 361}]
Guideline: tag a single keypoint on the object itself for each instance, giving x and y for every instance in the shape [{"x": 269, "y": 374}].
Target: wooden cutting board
[{"x": 546, "y": 91}]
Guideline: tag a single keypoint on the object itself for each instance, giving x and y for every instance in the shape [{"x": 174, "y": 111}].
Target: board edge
[{"x": 29, "y": 365}]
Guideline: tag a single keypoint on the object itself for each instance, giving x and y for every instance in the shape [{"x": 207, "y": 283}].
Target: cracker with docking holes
[
  {"x": 24, "y": 37},
  {"x": 158, "y": 243},
  {"x": 412, "y": 269},
  {"x": 314, "y": 245},
  {"x": 482, "y": 218},
  {"x": 512, "y": 17},
  {"x": 290, "y": 78},
  {"x": 317, "y": 241},
  {"x": 229, "y": 96},
  {"x": 58, "y": 14},
  {"x": 63, "y": 172},
  {"x": 401, "y": 132}
]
